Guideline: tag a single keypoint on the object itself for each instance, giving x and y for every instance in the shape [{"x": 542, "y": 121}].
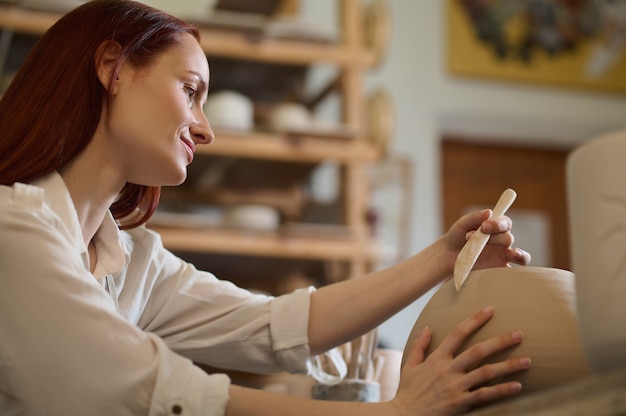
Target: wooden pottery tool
[{"x": 474, "y": 246}]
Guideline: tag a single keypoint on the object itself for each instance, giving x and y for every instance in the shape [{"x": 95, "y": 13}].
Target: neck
[{"x": 93, "y": 187}]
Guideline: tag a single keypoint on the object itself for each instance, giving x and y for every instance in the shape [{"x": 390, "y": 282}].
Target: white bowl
[
  {"x": 229, "y": 110},
  {"x": 290, "y": 117},
  {"x": 252, "y": 217}
]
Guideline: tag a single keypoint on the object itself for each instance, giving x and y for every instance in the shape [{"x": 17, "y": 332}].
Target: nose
[{"x": 201, "y": 132}]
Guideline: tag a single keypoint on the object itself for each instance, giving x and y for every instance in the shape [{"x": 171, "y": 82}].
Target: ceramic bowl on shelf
[
  {"x": 230, "y": 110},
  {"x": 286, "y": 117},
  {"x": 539, "y": 301},
  {"x": 252, "y": 217}
]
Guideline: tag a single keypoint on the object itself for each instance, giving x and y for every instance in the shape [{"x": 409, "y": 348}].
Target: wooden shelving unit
[
  {"x": 353, "y": 151},
  {"x": 220, "y": 43},
  {"x": 266, "y": 244},
  {"x": 291, "y": 147}
]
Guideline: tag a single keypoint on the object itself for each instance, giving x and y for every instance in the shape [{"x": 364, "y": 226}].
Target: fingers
[
  {"x": 484, "y": 374},
  {"x": 455, "y": 383},
  {"x": 491, "y": 393},
  {"x": 497, "y": 225},
  {"x": 417, "y": 351},
  {"x": 499, "y": 228},
  {"x": 488, "y": 372},
  {"x": 473, "y": 220},
  {"x": 453, "y": 341},
  {"x": 482, "y": 219},
  {"x": 504, "y": 239},
  {"x": 468, "y": 361},
  {"x": 478, "y": 352},
  {"x": 518, "y": 256}
]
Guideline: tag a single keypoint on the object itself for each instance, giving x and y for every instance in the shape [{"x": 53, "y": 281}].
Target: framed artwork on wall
[{"x": 563, "y": 43}]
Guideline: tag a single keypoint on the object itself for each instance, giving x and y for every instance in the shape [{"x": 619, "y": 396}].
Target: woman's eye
[{"x": 190, "y": 91}]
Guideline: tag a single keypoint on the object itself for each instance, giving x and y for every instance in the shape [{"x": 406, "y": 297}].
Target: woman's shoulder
[
  {"x": 47, "y": 194},
  {"x": 21, "y": 195},
  {"x": 24, "y": 203}
]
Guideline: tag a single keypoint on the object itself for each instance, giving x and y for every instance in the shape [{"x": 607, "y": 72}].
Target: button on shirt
[{"x": 123, "y": 343}]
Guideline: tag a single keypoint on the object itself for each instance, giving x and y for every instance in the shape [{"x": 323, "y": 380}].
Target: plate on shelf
[
  {"x": 326, "y": 131},
  {"x": 331, "y": 132},
  {"x": 186, "y": 220},
  {"x": 315, "y": 230}
]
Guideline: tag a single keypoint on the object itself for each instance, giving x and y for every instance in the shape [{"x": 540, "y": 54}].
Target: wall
[{"x": 429, "y": 102}]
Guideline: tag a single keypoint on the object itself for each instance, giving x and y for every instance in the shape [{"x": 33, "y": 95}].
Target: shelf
[
  {"x": 284, "y": 158},
  {"x": 219, "y": 42},
  {"x": 244, "y": 46},
  {"x": 26, "y": 21},
  {"x": 290, "y": 147},
  {"x": 264, "y": 244}
]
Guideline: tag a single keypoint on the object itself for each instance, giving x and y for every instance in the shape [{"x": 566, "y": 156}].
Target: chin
[
  {"x": 178, "y": 180},
  {"x": 164, "y": 178}
]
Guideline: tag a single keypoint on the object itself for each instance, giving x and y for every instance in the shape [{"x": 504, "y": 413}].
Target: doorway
[{"x": 475, "y": 173}]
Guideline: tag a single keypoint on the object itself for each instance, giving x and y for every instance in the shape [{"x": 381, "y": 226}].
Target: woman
[{"x": 98, "y": 321}]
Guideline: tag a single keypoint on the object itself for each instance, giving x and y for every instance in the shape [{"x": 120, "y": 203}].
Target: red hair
[{"x": 50, "y": 112}]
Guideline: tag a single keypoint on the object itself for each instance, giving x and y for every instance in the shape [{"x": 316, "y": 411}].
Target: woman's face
[{"x": 156, "y": 118}]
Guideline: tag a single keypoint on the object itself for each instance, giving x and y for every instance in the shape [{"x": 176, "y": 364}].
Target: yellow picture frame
[{"x": 467, "y": 56}]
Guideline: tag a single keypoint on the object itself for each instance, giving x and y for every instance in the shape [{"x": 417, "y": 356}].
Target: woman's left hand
[{"x": 498, "y": 252}]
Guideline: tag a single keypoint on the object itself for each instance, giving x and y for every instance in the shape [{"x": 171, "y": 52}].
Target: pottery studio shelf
[
  {"x": 274, "y": 244},
  {"x": 348, "y": 144},
  {"x": 306, "y": 147},
  {"x": 219, "y": 42}
]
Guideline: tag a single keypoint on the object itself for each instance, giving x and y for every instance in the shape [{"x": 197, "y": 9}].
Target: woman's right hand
[{"x": 447, "y": 383}]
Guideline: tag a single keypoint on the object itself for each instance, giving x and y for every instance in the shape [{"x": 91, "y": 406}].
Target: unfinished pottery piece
[
  {"x": 597, "y": 216},
  {"x": 538, "y": 301}
]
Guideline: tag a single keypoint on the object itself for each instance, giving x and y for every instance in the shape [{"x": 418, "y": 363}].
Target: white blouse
[{"x": 123, "y": 343}]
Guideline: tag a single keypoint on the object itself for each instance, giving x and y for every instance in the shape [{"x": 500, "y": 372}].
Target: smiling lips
[{"x": 191, "y": 148}]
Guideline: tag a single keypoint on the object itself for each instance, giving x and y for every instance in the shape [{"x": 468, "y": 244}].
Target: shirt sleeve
[
  {"x": 216, "y": 323},
  {"x": 65, "y": 349}
]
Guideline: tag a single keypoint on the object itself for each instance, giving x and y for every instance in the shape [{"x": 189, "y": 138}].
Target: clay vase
[
  {"x": 597, "y": 216},
  {"x": 536, "y": 300}
]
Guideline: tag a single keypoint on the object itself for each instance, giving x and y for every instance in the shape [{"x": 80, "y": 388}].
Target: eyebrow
[{"x": 204, "y": 84}]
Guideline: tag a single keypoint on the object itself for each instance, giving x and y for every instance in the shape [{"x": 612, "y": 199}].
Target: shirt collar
[
  {"x": 112, "y": 255},
  {"x": 110, "y": 250}
]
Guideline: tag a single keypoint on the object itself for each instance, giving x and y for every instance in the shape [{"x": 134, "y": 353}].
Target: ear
[{"x": 106, "y": 61}]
